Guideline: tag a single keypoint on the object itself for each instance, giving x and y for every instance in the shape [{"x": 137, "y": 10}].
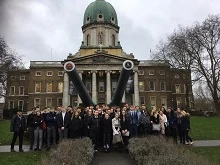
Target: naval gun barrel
[
  {"x": 70, "y": 68},
  {"x": 126, "y": 70}
]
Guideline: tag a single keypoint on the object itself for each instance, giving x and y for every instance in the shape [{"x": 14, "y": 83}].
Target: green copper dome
[{"x": 100, "y": 11}]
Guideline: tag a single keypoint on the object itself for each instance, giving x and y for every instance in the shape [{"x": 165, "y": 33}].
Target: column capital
[
  {"x": 108, "y": 71},
  {"x": 94, "y": 71},
  {"x": 135, "y": 71}
]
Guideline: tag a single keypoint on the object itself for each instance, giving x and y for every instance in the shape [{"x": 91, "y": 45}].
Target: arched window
[
  {"x": 100, "y": 38},
  {"x": 113, "y": 40},
  {"x": 88, "y": 40}
]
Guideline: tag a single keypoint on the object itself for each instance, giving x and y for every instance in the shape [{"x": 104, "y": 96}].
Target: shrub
[
  {"x": 71, "y": 152},
  {"x": 160, "y": 151}
]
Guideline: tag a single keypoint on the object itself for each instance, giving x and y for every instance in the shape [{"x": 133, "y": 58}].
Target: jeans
[
  {"x": 188, "y": 138},
  {"x": 63, "y": 133},
  {"x": 51, "y": 132},
  {"x": 38, "y": 137},
  {"x": 16, "y": 134}
]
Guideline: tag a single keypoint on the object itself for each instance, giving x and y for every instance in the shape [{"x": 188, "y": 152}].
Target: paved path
[
  {"x": 112, "y": 158},
  {"x": 8, "y": 148},
  {"x": 206, "y": 143}
]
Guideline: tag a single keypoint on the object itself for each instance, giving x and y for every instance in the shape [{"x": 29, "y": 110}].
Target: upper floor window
[
  {"x": 153, "y": 101},
  {"x": 60, "y": 73},
  {"x": 60, "y": 87},
  {"x": 100, "y": 38},
  {"x": 49, "y": 87},
  {"x": 142, "y": 100},
  {"x": 48, "y": 102},
  {"x": 37, "y": 102},
  {"x": 21, "y": 90},
  {"x": 177, "y": 88},
  {"x": 101, "y": 86},
  {"x": 141, "y": 85},
  {"x": 22, "y": 77},
  {"x": 12, "y": 90},
  {"x": 162, "y": 72},
  {"x": 141, "y": 72},
  {"x": 37, "y": 87},
  {"x": 113, "y": 40},
  {"x": 21, "y": 105},
  {"x": 13, "y": 77},
  {"x": 151, "y": 72},
  {"x": 163, "y": 101},
  {"x": 38, "y": 73},
  {"x": 152, "y": 85},
  {"x": 162, "y": 85},
  {"x": 88, "y": 38},
  {"x": 178, "y": 101},
  {"x": 49, "y": 73},
  {"x": 59, "y": 101}
]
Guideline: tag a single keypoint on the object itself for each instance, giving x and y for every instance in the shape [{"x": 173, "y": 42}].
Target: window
[
  {"x": 151, "y": 72},
  {"x": 177, "y": 88},
  {"x": 141, "y": 86},
  {"x": 13, "y": 77},
  {"x": 101, "y": 86},
  {"x": 100, "y": 16},
  {"x": 21, "y": 105},
  {"x": 100, "y": 38},
  {"x": 113, "y": 40},
  {"x": 22, "y": 77},
  {"x": 177, "y": 76},
  {"x": 60, "y": 87},
  {"x": 38, "y": 73},
  {"x": 142, "y": 100},
  {"x": 162, "y": 86},
  {"x": 141, "y": 72},
  {"x": 114, "y": 85},
  {"x": 88, "y": 40},
  {"x": 162, "y": 72},
  {"x": 101, "y": 73},
  {"x": 49, "y": 87},
  {"x": 12, "y": 90},
  {"x": 152, "y": 85},
  {"x": 59, "y": 101},
  {"x": 21, "y": 90},
  {"x": 88, "y": 86},
  {"x": 37, "y": 87},
  {"x": 37, "y": 102},
  {"x": 60, "y": 73},
  {"x": 178, "y": 101},
  {"x": 153, "y": 101},
  {"x": 164, "y": 101},
  {"x": 49, "y": 73},
  {"x": 11, "y": 104},
  {"x": 48, "y": 102}
]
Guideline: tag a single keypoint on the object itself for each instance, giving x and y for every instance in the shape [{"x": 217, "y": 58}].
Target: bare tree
[{"x": 9, "y": 61}]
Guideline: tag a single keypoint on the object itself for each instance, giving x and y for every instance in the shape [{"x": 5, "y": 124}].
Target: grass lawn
[
  {"x": 205, "y": 128},
  {"x": 211, "y": 153},
  {"x": 5, "y": 134},
  {"x": 25, "y": 158}
]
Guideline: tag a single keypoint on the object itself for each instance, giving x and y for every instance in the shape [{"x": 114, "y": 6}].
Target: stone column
[
  {"x": 136, "y": 89},
  {"x": 79, "y": 101},
  {"x": 108, "y": 86},
  {"x": 123, "y": 98},
  {"x": 94, "y": 87},
  {"x": 66, "y": 97}
]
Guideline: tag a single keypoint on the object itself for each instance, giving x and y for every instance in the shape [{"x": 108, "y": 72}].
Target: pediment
[{"x": 100, "y": 59}]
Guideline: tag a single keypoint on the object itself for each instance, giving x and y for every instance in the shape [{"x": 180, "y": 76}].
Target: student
[
  {"x": 38, "y": 131},
  {"x": 30, "y": 127},
  {"x": 163, "y": 122},
  {"x": 51, "y": 120},
  {"x": 63, "y": 121},
  {"x": 75, "y": 125},
  {"x": 95, "y": 126},
  {"x": 144, "y": 122},
  {"x": 87, "y": 121},
  {"x": 18, "y": 127},
  {"x": 155, "y": 121},
  {"x": 117, "y": 138},
  {"x": 188, "y": 138},
  {"x": 107, "y": 132},
  {"x": 125, "y": 127}
]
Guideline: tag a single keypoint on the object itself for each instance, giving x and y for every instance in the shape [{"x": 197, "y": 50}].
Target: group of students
[{"x": 108, "y": 127}]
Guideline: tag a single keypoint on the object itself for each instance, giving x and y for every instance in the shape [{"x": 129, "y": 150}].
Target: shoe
[
  {"x": 191, "y": 143},
  {"x": 187, "y": 143},
  {"x": 12, "y": 150},
  {"x": 21, "y": 150},
  {"x": 95, "y": 151}
]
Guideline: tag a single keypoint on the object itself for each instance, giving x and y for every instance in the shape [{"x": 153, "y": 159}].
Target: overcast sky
[{"x": 33, "y": 27}]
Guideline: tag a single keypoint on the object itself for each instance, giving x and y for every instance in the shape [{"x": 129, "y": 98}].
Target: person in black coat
[
  {"x": 38, "y": 130},
  {"x": 30, "y": 127},
  {"x": 172, "y": 124},
  {"x": 125, "y": 127},
  {"x": 87, "y": 121},
  {"x": 51, "y": 120},
  {"x": 95, "y": 127},
  {"x": 18, "y": 127},
  {"x": 155, "y": 119},
  {"x": 186, "y": 128},
  {"x": 63, "y": 121},
  {"x": 75, "y": 125},
  {"x": 107, "y": 132}
]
